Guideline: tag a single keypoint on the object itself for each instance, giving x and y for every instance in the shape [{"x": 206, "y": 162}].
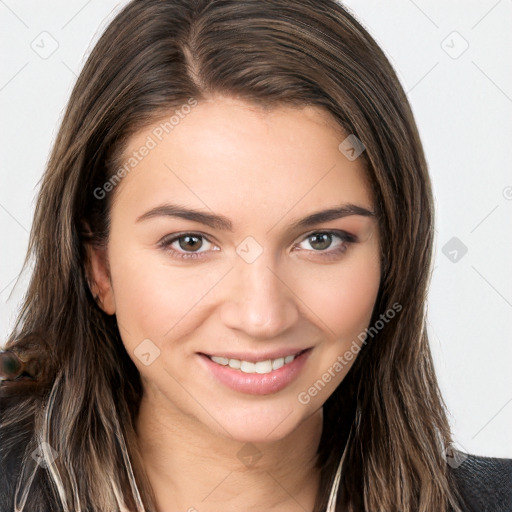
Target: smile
[
  {"x": 260, "y": 367},
  {"x": 263, "y": 375}
]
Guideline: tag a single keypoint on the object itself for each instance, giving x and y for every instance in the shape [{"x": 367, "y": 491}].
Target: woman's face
[{"x": 245, "y": 280}]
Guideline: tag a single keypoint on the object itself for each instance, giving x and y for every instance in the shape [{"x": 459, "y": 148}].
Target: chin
[{"x": 259, "y": 423}]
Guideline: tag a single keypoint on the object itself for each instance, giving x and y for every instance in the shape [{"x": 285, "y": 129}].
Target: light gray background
[{"x": 462, "y": 100}]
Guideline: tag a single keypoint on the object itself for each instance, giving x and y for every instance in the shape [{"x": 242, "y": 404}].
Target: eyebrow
[{"x": 221, "y": 222}]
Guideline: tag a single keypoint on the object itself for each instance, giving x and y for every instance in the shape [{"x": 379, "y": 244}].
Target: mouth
[
  {"x": 250, "y": 374},
  {"x": 260, "y": 367}
]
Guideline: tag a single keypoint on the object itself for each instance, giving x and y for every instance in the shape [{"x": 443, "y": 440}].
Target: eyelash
[{"x": 345, "y": 237}]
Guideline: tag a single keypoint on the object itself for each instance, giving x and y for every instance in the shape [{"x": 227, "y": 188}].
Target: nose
[{"x": 259, "y": 301}]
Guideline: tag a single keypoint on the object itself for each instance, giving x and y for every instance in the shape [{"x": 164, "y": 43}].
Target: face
[{"x": 241, "y": 317}]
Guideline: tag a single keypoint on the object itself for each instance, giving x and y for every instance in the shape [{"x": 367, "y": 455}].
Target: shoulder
[
  {"x": 11, "y": 452},
  {"x": 16, "y": 438},
  {"x": 484, "y": 483}
]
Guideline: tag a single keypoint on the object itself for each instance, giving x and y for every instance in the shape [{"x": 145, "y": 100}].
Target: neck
[{"x": 192, "y": 469}]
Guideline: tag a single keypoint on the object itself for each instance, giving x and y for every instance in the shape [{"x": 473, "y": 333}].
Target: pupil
[
  {"x": 188, "y": 244},
  {"x": 325, "y": 241}
]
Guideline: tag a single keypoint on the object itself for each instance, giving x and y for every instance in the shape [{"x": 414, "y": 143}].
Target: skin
[{"x": 263, "y": 169}]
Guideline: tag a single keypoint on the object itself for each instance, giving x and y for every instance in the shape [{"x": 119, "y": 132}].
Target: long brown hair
[{"x": 81, "y": 403}]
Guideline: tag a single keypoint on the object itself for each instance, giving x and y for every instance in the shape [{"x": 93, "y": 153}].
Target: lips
[{"x": 260, "y": 374}]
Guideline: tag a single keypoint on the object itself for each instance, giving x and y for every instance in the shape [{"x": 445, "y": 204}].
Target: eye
[
  {"x": 329, "y": 243},
  {"x": 186, "y": 245}
]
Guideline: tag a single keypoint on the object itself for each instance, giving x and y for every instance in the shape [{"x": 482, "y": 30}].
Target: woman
[{"x": 232, "y": 248}]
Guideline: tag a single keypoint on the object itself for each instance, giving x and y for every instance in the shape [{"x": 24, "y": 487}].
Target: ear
[{"x": 98, "y": 277}]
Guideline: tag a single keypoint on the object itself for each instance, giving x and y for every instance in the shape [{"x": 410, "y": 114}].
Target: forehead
[{"x": 228, "y": 155}]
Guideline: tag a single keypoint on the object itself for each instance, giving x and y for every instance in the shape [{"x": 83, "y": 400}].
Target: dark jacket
[{"x": 484, "y": 483}]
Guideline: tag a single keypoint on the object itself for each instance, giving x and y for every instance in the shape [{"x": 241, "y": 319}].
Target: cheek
[
  {"x": 353, "y": 301},
  {"x": 155, "y": 300},
  {"x": 344, "y": 304},
  {"x": 342, "y": 298}
]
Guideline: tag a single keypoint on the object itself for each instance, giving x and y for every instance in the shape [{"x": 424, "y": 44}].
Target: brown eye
[
  {"x": 187, "y": 245},
  {"x": 190, "y": 242},
  {"x": 328, "y": 244}
]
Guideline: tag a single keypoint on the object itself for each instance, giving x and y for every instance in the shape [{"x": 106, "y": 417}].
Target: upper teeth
[{"x": 249, "y": 367}]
